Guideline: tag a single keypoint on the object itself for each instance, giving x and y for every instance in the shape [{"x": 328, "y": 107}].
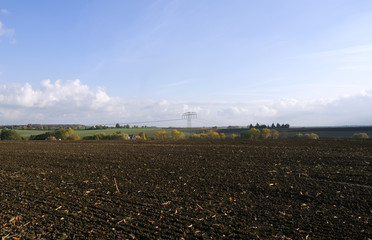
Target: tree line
[{"x": 253, "y": 133}]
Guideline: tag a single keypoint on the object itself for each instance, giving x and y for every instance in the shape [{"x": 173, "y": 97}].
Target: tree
[
  {"x": 161, "y": 135},
  {"x": 214, "y": 135},
  {"x": 265, "y": 133},
  {"x": 10, "y": 135},
  {"x": 252, "y": 133},
  {"x": 143, "y": 135},
  {"x": 274, "y": 134},
  {"x": 117, "y": 125},
  {"x": 63, "y": 133},
  {"x": 43, "y": 136},
  {"x": 177, "y": 135}
]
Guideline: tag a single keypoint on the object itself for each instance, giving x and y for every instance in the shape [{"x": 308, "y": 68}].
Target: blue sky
[{"x": 306, "y": 63}]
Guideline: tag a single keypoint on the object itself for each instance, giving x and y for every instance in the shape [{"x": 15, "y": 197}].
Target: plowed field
[{"x": 239, "y": 189}]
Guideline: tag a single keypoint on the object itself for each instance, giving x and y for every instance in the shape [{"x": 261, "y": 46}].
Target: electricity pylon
[{"x": 189, "y": 116}]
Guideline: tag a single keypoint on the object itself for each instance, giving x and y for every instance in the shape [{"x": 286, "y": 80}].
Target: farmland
[
  {"x": 82, "y": 133},
  {"x": 232, "y": 189}
]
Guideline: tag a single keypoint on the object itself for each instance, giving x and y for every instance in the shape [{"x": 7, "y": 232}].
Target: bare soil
[{"x": 236, "y": 189}]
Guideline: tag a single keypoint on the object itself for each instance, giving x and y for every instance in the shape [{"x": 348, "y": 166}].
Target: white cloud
[
  {"x": 74, "y": 102},
  {"x": 4, "y": 11},
  {"x": 68, "y": 101}
]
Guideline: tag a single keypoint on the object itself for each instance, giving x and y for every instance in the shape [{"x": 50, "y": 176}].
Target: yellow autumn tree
[
  {"x": 222, "y": 136},
  {"x": 161, "y": 135},
  {"x": 73, "y": 137},
  {"x": 214, "y": 135},
  {"x": 265, "y": 133},
  {"x": 252, "y": 133},
  {"x": 143, "y": 135},
  {"x": 176, "y": 135}
]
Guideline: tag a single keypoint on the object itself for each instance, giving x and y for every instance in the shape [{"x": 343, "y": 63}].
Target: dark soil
[{"x": 239, "y": 189}]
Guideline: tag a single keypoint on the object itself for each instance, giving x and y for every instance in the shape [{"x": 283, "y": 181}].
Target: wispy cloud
[
  {"x": 6, "y": 32},
  {"x": 4, "y": 11},
  {"x": 356, "y": 58},
  {"x": 349, "y": 51},
  {"x": 176, "y": 84}
]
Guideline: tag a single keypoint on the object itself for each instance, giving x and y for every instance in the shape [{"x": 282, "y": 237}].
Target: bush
[
  {"x": 222, "y": 136},
  {"x": 306, "y": 136},
  {"x": 360, "y": 135},
  {"x": 252, "y": 133},
  {"x": 199, "y": 136},
  {"x": 161, "y": 135},
  {"x": 233, "y": 136},
  {"x": 311, "y": 136},
  {"x": 63, "y": 134},
  {"x": 73, "y": 137},
  {"x": 298, "y": 135},
  {"x": 10, "y": 135},
  {"x": 274, "y": 134},
  {"x": 176, "y": 135},
  {"x": 213, "y": 135},
  {"x": 43, "y": 136},
  {"x": 104, "y": 136}
]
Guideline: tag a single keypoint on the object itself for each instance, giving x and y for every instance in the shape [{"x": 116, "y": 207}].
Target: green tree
[
  {"x": 252, "y": 133},
  {"x": 117, "y": 125},
  {"x": 274, "y": 134},
  {"x": 10, "y": 135},
  {"x": 63, "y": 133}
]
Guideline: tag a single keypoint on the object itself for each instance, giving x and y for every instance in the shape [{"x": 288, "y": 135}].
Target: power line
[
  {"x": 153, "y": 121},
  {"x": 213, "y": 123}
]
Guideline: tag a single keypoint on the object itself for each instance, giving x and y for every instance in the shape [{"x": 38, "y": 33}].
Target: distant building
[{"x": 134, "y": 137}]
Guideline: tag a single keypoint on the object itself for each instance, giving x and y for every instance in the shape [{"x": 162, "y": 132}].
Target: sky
[{"x": 305, "y": 63}]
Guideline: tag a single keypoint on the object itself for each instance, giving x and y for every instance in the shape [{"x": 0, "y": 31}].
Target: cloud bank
[{"x": 73, "y": 102}]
